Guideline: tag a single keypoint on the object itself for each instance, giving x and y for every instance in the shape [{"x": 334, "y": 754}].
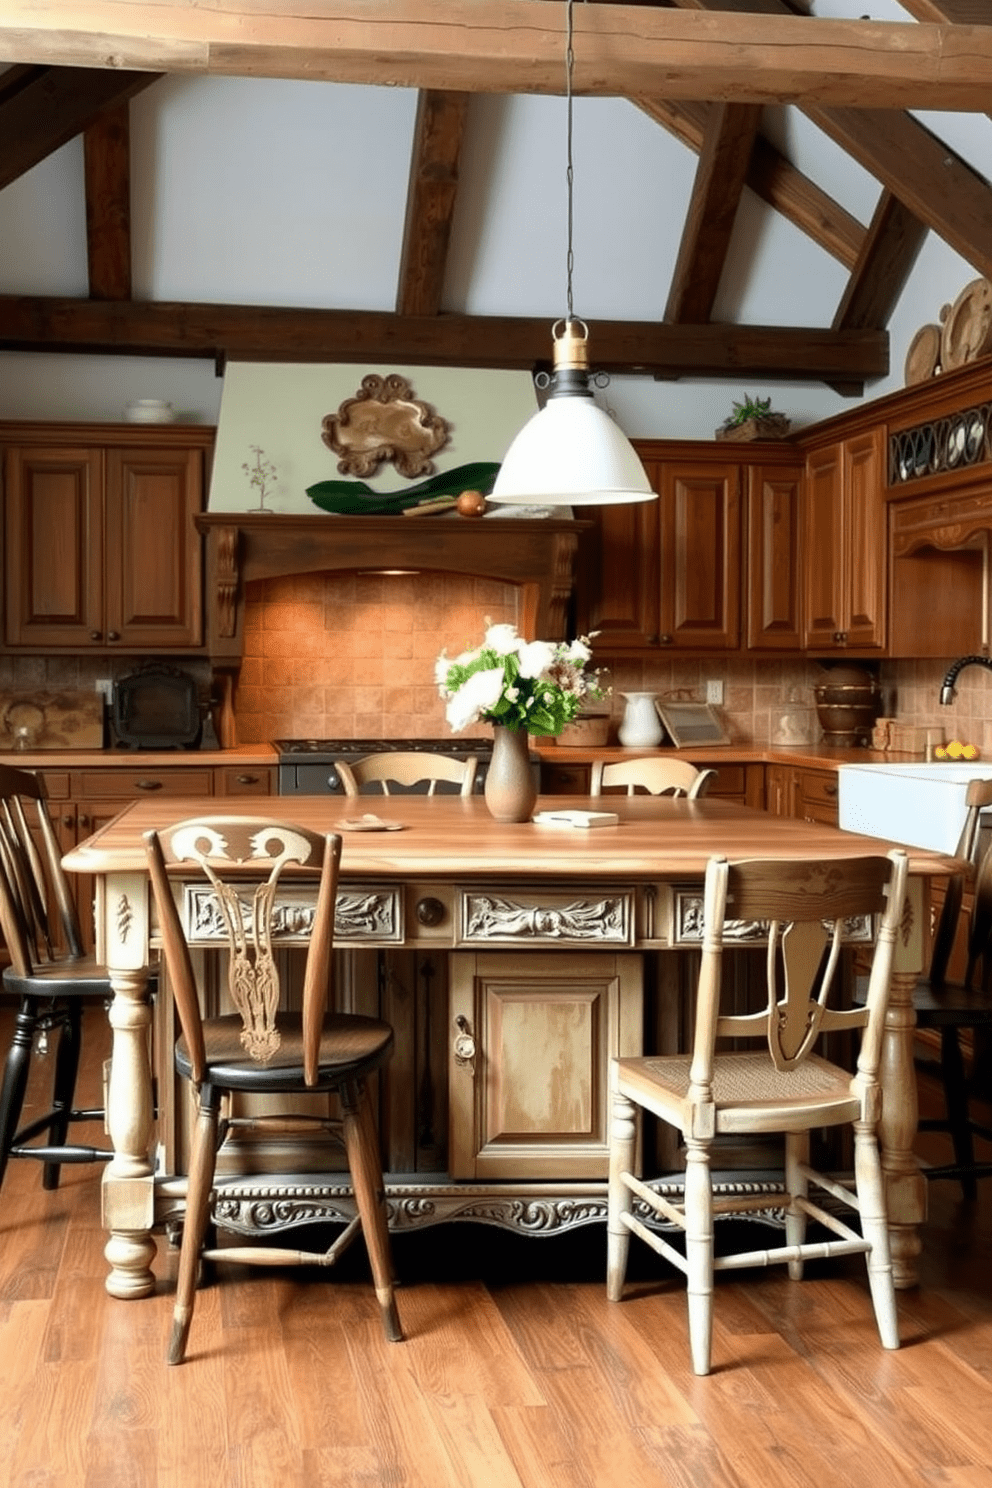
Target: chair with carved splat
[
  {"x": 656, "y": 776},
  {"x": 260, "y": 1048},
  {"x": 407, "y": 767},
  {"x": 777, "y": 1084}
]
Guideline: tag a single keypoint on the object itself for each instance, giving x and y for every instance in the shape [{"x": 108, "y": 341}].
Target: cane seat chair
[
  {"x": 259, "y": 1048},
  {"x": 951, "y": 1005},
  {"x": 407, "y": 768},
  {"x": 779, "y": 1085},
  {"x": 51, "y": 978},
  {"x": 656, "y": 776}
]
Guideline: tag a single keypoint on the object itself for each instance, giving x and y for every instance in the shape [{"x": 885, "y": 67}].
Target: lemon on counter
[{"x": 956, "y": 750}]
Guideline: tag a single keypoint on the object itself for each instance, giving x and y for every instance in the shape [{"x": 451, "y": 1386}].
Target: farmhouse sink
[{"x": 921, "y": 805}]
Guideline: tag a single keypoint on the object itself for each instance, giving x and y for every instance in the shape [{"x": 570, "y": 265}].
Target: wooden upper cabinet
[
  {"x": 700, "y": 512},
  {"x": 665, "y": 574},
  {"x": 844, "y": 546},
  {"x": 101, "y": 551},
  {"x": 773, "y": 618}
]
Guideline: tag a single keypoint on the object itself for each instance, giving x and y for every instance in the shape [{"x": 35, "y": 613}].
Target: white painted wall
[{"x": 258, "y": 191}]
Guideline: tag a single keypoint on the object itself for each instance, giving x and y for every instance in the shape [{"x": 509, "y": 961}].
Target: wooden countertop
[
  {"x": 814, "y": 756},
  {"x": 130, "y": 759}
]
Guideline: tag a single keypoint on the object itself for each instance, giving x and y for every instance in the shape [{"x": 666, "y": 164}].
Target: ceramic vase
[
  {"x": 640, "y": 727},
  {"x": 510, "y": 791}
]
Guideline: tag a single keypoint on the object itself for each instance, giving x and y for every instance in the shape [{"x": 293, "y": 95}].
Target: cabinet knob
[
  {"x": 148, "y": 785},
  {"x": 68, "y": 819},
  {"x": 666, "y": 640},
  {"x": 113, "y": 635},
  {"x": 430, "y": 911},
  {"x": 830, "y": 790},
  {"x": 84, "y": 820},
  {"x": 95, "y": 635},
  {"x": 464, "y": 1044}
]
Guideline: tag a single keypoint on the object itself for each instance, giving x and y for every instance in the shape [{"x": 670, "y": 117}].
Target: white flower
[
  {"x": 477, "y": 693},
  {"x": 535, "y": 658},
  {"x": 579, "y": 652},
  {"x": 502, "y": 639}
]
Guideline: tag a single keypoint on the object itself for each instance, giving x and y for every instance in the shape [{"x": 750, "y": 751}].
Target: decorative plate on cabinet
[{"x": 967, "y": 331}]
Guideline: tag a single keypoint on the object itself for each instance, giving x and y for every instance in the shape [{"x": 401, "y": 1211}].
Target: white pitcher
[{"x": 640, "y": 727}]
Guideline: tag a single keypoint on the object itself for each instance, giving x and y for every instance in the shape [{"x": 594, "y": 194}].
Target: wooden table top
[{"x": 451, "y": 836}]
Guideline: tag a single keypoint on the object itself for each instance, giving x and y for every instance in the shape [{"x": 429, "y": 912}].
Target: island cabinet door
[{"x": 531, "y": 1037}]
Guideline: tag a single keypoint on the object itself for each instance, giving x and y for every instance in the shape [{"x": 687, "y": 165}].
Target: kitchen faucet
[{"x": 947, "y": 693}]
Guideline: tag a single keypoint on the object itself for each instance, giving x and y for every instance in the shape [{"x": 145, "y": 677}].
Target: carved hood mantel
[{"x": 537, "y": 554}]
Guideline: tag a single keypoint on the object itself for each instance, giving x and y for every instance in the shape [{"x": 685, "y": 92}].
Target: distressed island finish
[{"x": 545, "y": 931}]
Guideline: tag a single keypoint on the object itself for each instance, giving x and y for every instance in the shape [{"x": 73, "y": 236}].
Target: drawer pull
[
  {"x": 464, "y": 1045},
  {"x": 430, "y": 912},
  {"x": 148, "y": 785},
  {"x": 246, "y": 779},
  {"x": 830, "y": 790}
]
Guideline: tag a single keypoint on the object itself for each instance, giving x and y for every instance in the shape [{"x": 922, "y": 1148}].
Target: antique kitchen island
[{"x": 545, "y": 932}]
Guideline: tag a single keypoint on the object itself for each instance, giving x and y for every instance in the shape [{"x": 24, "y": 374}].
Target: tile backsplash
[{"x": 352, "y": 656}]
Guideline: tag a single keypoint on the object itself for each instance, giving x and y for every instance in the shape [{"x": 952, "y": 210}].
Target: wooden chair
[
  {"x": 407, "y": 768},
  {"x": 259, "y": 1049},
  {"x": 784, "y": 1086},
  {"x": 656, "y": 776},
  {"x": 952, "y": 1005},
  {"x": 50, "y": 975}
]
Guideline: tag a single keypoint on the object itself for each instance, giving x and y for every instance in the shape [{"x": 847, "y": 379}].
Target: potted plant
[{"x": 753, "y": 418}]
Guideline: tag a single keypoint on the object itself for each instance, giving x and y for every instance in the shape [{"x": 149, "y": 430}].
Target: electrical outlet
[
  {"x": 105, "y": 688},
  {"x": 714, "y": 692}
]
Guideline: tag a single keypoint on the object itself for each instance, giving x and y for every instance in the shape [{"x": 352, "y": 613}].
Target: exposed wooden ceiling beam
[
  {"x": 53, "y": 105},
  {"x": 891, "y": 248},
  {"x": 430, "y": 202},
  {"x": 107, "y": 170},
  {"x": 716, "y": 193},
  {"x": 938, "y": 187},
  {"x": 774, "y": 179},
  {"x": 515, "y": 46},
  {"x": 254, "y": 333},
  {"x": 919, "y": 169}
]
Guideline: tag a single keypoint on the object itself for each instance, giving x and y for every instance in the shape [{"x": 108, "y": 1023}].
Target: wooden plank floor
[{"x": 516, "y": 1371}]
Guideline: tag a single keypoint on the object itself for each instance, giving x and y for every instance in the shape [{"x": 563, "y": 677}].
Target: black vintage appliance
[
  {"x": 307, "y": 766},
  {"x": 156, "y": 707}
]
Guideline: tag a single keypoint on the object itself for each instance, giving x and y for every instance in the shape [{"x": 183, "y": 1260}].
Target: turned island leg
[
  {"x": 905, "y": 1185},
  {"x": 128, "y": 1183}
]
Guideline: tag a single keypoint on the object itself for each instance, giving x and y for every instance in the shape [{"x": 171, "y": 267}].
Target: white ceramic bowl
[{"x": 149, "y": 411}]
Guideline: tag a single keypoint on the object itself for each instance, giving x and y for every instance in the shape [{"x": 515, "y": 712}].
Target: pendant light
[{"x": 571, "y": 453}]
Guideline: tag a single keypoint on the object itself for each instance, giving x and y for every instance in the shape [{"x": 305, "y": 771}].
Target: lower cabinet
[
  {"x": 531, "y": 1036},
  {"x": 796, "y": 790}
]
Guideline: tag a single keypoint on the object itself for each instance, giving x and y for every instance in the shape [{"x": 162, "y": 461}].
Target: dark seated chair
[
  {"x": 259, "y": 1049},
  {"x": 955, "y": 1005},
  {"x": 50, "y": 976}
]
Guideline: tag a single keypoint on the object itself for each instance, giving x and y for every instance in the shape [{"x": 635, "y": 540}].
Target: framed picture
[{"x": 691, "y": 723}]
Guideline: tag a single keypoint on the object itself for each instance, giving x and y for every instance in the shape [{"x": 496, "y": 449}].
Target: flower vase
[{"x": 510, "y": 791}]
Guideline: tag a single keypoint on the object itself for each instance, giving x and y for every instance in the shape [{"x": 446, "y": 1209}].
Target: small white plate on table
[{"x": 368, "y": 822}]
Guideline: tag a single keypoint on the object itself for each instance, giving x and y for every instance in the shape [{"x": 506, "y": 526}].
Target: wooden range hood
[{"x": 536, "y": 554}]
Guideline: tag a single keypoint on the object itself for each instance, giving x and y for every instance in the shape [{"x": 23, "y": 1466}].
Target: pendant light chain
[{"x": 569, "y": 177}]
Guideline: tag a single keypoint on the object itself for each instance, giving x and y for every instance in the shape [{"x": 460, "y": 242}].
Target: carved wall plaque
[{"x": 383, "y": 421}]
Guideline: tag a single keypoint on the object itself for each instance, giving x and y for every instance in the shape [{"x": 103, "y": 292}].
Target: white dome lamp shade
[{"x": 571, "y": 453}]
